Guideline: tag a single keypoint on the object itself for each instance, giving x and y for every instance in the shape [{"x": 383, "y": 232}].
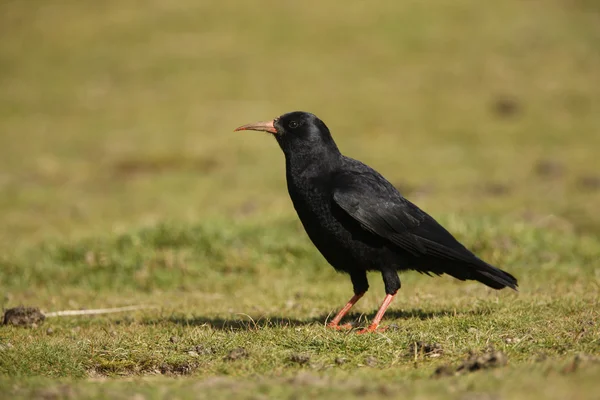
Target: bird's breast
[
  {"x": 311, "y": 200},
  {"x": 313, "y": 203}
]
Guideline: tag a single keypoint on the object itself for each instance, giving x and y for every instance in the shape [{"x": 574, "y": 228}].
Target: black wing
[{"x": 380, "y": 209}]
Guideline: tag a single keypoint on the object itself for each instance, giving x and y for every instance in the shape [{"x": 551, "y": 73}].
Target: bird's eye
[{"x": 293, "y": 124}]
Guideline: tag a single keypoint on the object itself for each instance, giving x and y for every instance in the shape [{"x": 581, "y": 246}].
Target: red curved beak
[{"x": 266, "y": 126}]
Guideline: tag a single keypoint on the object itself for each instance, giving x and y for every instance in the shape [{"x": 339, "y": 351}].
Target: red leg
[
  {"x": 335, "y": 322},
  {"x": 373, "y": 327}
]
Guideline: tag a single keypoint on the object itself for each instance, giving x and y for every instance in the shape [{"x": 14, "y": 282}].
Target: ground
[{"x": 123, "y": 184}]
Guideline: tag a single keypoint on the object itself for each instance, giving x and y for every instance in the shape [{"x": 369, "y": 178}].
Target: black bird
[{"x": 360, "y": 222}]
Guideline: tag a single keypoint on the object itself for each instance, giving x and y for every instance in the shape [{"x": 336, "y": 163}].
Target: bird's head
[{"x": 297, "y": 131}]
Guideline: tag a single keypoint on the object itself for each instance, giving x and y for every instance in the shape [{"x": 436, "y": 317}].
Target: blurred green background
[
  {"x": 122, "y": 182},
  {"x": 120, "y": 113}
]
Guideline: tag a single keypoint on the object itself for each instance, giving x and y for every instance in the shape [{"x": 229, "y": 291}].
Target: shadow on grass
[{"x": 272, "y": 321}]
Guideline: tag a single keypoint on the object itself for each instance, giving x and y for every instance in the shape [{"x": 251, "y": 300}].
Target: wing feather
[{"x": 381, "y": 210}]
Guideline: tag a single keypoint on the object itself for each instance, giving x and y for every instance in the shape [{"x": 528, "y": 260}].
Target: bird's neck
[{"x": 312, "y": 163}]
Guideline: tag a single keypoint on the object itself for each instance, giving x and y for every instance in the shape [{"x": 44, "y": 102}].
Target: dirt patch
[
  {"x": 506, "y": 106},
  {"x": 24, "y": 316},
  {"x": 340, "y": 360},
  {"x": 236, "y": 354},
  {"x": 494, "y": 189},
  {"x": 179, "y": 368},
  {"x": 300, "y": 358},
  {"x": 550, "y": 169},
  {"x": 489, "y": 359},
  {"x": 199, "y": 350},
  {"x": 431, "y": 350},
  {"x": 589, "y": 183},
  {"x": 475, "y": 362}
]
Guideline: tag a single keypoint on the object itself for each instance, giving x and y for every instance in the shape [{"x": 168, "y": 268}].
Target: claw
[
  {"x": 373, "y": 328},
  {"x": 337, "y": 327}
]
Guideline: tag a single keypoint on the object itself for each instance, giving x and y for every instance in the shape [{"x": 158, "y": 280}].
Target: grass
[{"x": 122, "y": 183}]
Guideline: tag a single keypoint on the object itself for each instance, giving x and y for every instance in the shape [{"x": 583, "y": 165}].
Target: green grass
[{"x": 122, "y": 183}]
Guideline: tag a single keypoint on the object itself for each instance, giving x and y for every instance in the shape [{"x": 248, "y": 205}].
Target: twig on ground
[{"x": 66, "y": 313}]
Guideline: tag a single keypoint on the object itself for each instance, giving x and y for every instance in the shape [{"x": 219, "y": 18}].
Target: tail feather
[
  {"x": 454, "y": 259},
  {"x": 492, "y": 276}
]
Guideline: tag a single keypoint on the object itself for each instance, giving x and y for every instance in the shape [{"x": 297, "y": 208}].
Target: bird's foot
[
  {"x": 373, "y": 328},
  {"x": 338, "y": 327}
]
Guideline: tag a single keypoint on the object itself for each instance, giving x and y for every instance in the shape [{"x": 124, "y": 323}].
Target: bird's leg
[
  {"x": 361, "y": 285},
  {"x": 392, "y": 284},
  {"x": 335, "y": 322},
  {"x": 373, "y": 327}
]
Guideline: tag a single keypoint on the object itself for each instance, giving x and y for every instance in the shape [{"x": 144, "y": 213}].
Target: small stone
[
  {"x": 49, "y": 331},
  {"x": 340, "y": 360},
  {"x": 174, "y": 339}
]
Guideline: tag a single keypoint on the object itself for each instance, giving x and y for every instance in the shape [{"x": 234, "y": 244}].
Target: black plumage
[{"x": 360, "y": 222}]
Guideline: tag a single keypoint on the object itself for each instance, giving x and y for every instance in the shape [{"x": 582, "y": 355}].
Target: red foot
[
  {"x": 373, "y": 328},
  {"x": 337, "y": 327}
]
